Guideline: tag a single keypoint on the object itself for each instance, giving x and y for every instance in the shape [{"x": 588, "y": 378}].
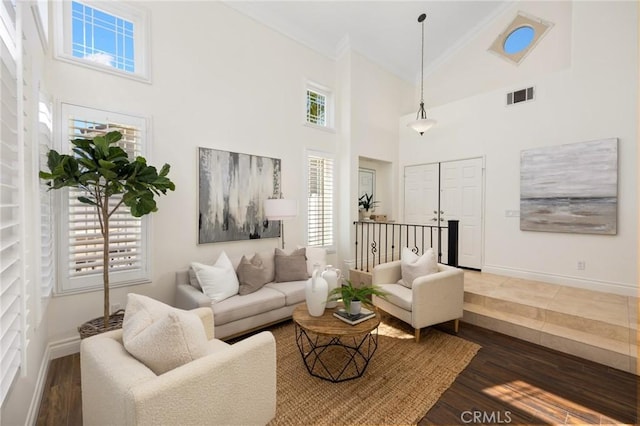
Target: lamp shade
[
  {"x": 422, "y": 125},
  {"x": 280, "y": 208}
]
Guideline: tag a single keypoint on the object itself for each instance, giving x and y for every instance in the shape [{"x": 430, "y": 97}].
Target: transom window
[
  {"x": 110, "y": 36},
  {"x": 102, "y": 37},
  {"x": 318, "y": 106}
]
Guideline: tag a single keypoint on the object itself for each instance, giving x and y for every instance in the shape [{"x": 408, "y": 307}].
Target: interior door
[
  {"x": 421, "y": 194},
  {"x": 461, "y": 199}
]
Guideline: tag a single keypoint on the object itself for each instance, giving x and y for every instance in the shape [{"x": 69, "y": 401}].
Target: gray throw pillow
[
  {"x": 291, "y": 267},
  {"x": 252, "y": 275}
]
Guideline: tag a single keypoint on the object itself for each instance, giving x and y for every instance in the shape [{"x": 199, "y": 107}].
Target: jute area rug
[{"x": 401, "y": 383}]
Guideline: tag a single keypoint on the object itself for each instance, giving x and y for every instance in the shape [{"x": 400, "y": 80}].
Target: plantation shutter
[
  {"x": 320, "y": 201},
  {"x": 47, "y": 218},
  {"x": 81, "y": 228},
  {"x": 12, "y": 320}
]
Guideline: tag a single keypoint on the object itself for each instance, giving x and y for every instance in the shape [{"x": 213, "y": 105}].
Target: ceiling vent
[{"x": 519, "y": 96}]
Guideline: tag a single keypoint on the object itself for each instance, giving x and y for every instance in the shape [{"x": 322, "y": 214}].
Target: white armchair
[
  {"x": 234, "y": 384},
  {"x": 433, "y": 298}
]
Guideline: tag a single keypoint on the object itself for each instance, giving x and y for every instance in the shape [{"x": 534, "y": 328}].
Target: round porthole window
[{"x": 518, "y": 40}]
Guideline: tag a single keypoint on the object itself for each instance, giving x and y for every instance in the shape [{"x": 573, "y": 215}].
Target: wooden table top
[{"x": 329, "y": 325}]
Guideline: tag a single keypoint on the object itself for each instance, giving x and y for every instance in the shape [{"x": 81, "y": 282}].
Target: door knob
[
  {"x": 433, "y": 219},
  {"x": 441, "y": 212}
]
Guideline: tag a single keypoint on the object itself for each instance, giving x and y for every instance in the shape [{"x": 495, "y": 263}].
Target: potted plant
[
  {"x": 360, "y": 295},
  {"x": 366, "y": 203},
  {"x": 102, "y": 170}
]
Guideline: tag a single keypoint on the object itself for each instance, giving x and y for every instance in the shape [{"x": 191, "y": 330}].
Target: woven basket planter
[{"x": 96, "y": 325}]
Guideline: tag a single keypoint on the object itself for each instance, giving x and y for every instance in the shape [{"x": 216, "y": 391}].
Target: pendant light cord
[{"x": 422, "y": 67}]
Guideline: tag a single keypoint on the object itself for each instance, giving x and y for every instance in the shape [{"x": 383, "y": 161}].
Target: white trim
[
  {"x": 566, "y": 280},
  {"x": 64, "y": 347},
  {"x": 38, "y": 391}
]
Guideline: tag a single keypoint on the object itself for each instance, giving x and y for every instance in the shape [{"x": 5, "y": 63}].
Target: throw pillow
[
  {"x": 218, "y": 281},
  {"x": 315, "y": 255},
  {"x": 414, "y": 266},
  {"x": 252, "y": 275},
  {"x": 193, "y": 279},
  {"x": 160, "y": 336},
  {"x": 291, "y": 267},
  {"x": 268, "y": 262}
]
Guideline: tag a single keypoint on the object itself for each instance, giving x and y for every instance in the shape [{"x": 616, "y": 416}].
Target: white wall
[
  {"x": 219, "y": 80},
  {"x": 369, "y": 130},
  {"x": 596, "y": 97}
]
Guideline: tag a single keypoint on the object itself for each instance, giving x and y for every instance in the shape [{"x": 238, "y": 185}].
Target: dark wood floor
[{"x": 508, "y": 382}]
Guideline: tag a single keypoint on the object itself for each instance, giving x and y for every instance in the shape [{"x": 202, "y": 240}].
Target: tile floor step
[{"x": 559, "y": 315}]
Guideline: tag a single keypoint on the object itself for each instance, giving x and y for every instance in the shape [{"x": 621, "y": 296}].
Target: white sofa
[
  {"x": 234, "y": 384},
  {"x": 238, "y": 315}
]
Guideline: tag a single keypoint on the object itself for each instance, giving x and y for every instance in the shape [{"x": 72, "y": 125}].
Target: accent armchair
[
  {"x": 233, "y": 384},
  {"x": 432, "y": 299}
]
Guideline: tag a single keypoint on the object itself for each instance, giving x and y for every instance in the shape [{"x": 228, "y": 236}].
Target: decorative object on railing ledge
[{"x": 381, "y": 242}]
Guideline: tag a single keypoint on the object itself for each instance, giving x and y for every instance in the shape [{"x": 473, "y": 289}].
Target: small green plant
[
  {"x": 349, "y": 293},
  {"x": 366, "y": 202}
]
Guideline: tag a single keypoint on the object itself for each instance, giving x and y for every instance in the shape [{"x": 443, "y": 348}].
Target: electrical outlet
[
  {"x": 581, "y": 265},
  {"x": 115, "y": 307}
]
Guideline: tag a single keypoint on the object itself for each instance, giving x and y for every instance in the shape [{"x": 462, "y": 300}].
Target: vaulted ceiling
[{"x": 385, "y": 32}]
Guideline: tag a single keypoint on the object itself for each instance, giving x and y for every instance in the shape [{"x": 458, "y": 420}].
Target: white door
[
  {"x": 421, "y": 194},
  {"x": 461, "y": 199},
  {"x": 460, "y": 185}
]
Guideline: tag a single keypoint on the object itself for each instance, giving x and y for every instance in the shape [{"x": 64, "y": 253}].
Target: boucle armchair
[
  {"x": 233, "y": 384},
  {"x": 432, "y": 299}
]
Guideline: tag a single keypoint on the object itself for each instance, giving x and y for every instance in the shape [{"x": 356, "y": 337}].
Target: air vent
[{"x": 522, "y": 95}]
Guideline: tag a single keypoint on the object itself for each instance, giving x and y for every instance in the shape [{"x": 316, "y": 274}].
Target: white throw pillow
[
  {"x": 218, "y": 281},
  {"x": 315, "y": 255},
  {"x": 414, "y": 266},
  {"x": 160, "y": 336}
]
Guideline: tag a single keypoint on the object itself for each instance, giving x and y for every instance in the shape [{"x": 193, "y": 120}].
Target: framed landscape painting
[
  {"x": 570, "y": 188},
  {"x": 231, "y": 194}
]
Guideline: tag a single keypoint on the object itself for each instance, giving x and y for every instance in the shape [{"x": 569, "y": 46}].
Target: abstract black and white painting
[
  {"x": 570, "y": 188},
  {"x": 232, "y": 190}
]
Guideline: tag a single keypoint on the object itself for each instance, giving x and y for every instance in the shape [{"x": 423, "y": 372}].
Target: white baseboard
[
  {"x": 64, "y": 347},
  {"x": 569, "y": 281},
  {"x": 53, "y": 350},
  {"x": 36, "y": 399}
]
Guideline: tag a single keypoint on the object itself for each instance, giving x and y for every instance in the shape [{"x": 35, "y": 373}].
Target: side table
[{"x": 331, "y": 349}]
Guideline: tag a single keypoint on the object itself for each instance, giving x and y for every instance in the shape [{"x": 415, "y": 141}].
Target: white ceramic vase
[
  {"x": 316, "y": 292},
  {"x": 332, "y": 276}
]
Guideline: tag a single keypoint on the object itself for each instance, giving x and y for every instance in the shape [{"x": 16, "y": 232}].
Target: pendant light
[{"x": 422, "y": 123}]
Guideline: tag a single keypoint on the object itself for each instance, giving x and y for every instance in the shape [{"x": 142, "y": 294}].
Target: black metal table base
[{"x": 335, "y": 358}]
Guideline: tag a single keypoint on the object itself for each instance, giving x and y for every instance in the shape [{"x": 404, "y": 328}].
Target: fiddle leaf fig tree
[{"x": 102, "y": 170}]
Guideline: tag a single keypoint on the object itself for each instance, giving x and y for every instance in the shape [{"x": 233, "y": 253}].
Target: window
[
  {"x": 12, "y": 286},
  {"x": 320, "y": 215},
  {"x": 519, "y": 38},
  {"x": 80, "y": 240},
  {"x": 319, "y": 105},
  {"x": 104, "y": 35}
]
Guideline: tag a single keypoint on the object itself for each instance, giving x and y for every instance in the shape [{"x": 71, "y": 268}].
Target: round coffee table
[{"x": 332, "y": 349}]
